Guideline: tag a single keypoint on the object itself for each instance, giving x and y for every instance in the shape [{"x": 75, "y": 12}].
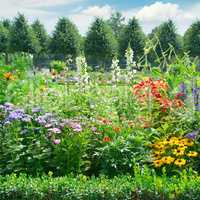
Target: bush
[
  {"x": 58, "y": 66},
  {"x": 144, "y": 186},
  {"x": 36, "y": 143}
]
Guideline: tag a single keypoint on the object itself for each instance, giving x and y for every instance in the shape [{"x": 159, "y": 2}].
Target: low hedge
[{"x": 142, "y": 186}]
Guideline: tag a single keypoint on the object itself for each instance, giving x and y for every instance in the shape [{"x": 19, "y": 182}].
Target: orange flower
[
  {"x": 106, "y": 139},
  {"x": 8, "y": 76},
  {"x": 116, "y": 129},
  {"x": 178, "y": 103},
  {"x": 104, "y": 121}
]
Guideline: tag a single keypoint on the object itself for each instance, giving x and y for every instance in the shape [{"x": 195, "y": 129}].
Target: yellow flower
[
  {"x": 192, "y": 154},
  {"x": 157, "y": 163},
  {"x": 8, "y": 76},
  {"x": 156, "y": 155},
  {"x": 158, "y": 146},
  {"x": 190, "y": 143},
  {"x": 168, "y": 159},
  {"x": 182, "y": 145},
  {"x": 187, "y": 142},
  {"x": 173, "y": 141},
  {"x": 180, "y": 162},
  {"x": 50, "y": 173},
  {"x": 179, "y": 151}
]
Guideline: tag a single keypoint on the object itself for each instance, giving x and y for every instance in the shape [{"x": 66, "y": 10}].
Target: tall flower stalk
[
  {"x": 130, "y": 64},
  {"x": 82, "y": 70},
  {"x": 196, "y": 95},
  {"x": 116, "y": 71}
]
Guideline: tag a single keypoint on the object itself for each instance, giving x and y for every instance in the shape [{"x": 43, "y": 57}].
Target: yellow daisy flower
[
  {"x": 157, "y": 163},
  {"x": 179, "y": 151},
  {"x": 180, "y": 162},
  {"x": 187, "y": 142},
  {"x": 168, "y": 159},
  {"x": 192, "y": 154}
]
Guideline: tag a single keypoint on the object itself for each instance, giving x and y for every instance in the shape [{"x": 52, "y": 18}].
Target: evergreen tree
[
  {"x": 133, "y": 36},
  {"x": 192, "y": 39},
  {"x": 41, "y": 36},
  {"x": 23, "y": 38},
  {"x": 66, "y": 39},
  {"x": 117, "y": 23},
  {"x": 100, "y": 43},
  {"x": 166, "y": 37},
  {"x": 4, "y": 41},
  {"x": 7, "y": 23}
]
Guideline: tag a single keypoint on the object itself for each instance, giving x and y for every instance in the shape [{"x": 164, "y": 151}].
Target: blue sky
[{"x": 82, "y": 12}]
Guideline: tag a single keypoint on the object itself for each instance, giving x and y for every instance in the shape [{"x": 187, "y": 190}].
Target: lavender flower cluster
[
  {"x": 52, "y": 124},
  {"x": 193, "y": 135},
  {"x": 12, "y": 114},
  {"x": 196, "y": 97}
]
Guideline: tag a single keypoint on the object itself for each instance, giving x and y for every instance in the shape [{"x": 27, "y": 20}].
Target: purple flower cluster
[
  {"x": 183, "y": 88},
  {"x": 13, "y": 114},
  {"x": 48, "y": 121},
  {"x": 193, "y": 135},
  {"x": 75, "y": 126},
  {"x": 196, "y": 97}
]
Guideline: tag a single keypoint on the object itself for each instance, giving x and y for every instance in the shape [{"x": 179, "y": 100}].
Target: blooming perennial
[
  {"x": 176, "y": 151},
  {"x": 156, "y": 91}
]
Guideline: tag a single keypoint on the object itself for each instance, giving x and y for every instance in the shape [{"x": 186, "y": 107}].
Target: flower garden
[{"x": 123, "y": 134}]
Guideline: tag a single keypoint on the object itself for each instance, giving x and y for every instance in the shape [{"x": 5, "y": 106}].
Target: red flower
[
  {"x": 106, "y": 139},
  {"x": 179, "y": 95},
  {"x": 178, "y": 103}
]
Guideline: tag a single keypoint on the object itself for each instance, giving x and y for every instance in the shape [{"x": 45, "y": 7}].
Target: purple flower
[
  {"x": 26, "y": 118},
  {"x": 41, "y": 120},
  {"x": 94, "y": 129},
  {"x": 193, "y": 135},
  {"x": 16, "y": 115},
  {"x": 183, "y": 88},
  {"x": 196, "y": 97},
  {"x": 56, "y": 141},
  {"x": 54, "y": 130},
  {"x": 75, "y": 126},
  {"x": 7, "y": 107}
]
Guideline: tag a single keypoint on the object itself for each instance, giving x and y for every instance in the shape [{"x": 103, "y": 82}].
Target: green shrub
[
  {"x": 58, "y": 66},
  {"x": 36, "y": 143},
  {"x": 144, "y": 186}
]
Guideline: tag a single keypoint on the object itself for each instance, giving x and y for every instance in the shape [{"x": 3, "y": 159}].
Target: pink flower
[{"x": 56, "y": 141}]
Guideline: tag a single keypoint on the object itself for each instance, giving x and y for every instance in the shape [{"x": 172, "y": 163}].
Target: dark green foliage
[
  {"x": 66, "y": 39},
  {"x": 134, "y": 36},
  {"x": 145, "y": 185},
  {"x": 42, "y": 36},
  {"x": 192, "y": 39},
  {"x": 100, "y": 43},
  {"x": 23, "y": 38},
  {"x": 4, "y": 39},
  {"x": 165, "y": 37},
  {"x": 117, "y": 23},
  {"x": 7, "y": 23}
]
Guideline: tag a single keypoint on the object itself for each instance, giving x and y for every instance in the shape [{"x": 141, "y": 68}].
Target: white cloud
[
  {"x": 154, "y": 14},
  {"x": 98, "y": 11},
  {"x": 84, "y": 18},
  {"x": 149, "y": 16}
]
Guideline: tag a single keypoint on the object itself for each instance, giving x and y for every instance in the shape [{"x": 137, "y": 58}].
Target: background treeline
[{"x": 104, "y": 40}]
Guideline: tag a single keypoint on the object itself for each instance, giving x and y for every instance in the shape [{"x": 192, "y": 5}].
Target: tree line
[{"x": 104, "y": 40}]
